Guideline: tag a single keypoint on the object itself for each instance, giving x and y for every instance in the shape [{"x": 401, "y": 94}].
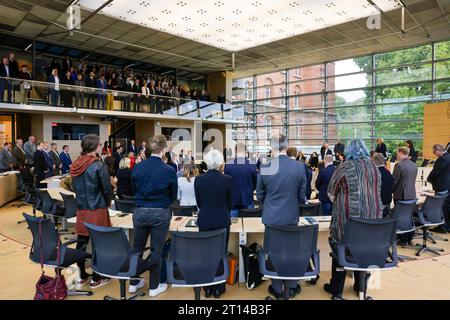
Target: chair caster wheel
[
  {"x": 314, "y": 281},
  {"x": 90, "y": 293},
  {"x": 142, "y": 294},
  {"x": 368, "y": 298},
  {"x": 269, "y": 298}
]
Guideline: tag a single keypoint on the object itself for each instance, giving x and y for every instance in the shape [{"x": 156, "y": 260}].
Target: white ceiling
[{"x": 234, "y": 25}]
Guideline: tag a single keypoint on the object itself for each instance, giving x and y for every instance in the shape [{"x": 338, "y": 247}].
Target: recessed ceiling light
[{"x": 225, "y": 24}]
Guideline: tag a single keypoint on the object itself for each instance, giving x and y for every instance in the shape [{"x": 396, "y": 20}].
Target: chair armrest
[
  {"x": 68, "y": 243},
  {"x": 132, "y": 269},
  {"x": 342, "y": 258},
  {"x": 421, "y": 217}
]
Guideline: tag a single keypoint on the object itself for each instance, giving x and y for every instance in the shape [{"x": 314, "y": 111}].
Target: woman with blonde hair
[
  {"x": 124, "y": 178},
  {"x": 381, "y": 147},
  {"x": 186, "y": 193}
]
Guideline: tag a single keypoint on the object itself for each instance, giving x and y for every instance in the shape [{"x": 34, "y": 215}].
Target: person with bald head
[
  {"x": 5, "y": 82},
  {"x": 30, "y": 148}
]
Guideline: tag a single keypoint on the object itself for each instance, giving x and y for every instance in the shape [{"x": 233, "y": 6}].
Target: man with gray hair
[
  {"x": 280, "y": 190},
  {"x": 322, "y": 182},
  {"x": 386, "y": 181}
]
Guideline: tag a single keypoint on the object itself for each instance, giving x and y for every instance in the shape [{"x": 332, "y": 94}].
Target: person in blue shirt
[
  {"x": 155, "y": 187},
  {"x": 243, "y": 172},
  {"x": 322, "y": 182},
  {"x": 66, "y": 161}
]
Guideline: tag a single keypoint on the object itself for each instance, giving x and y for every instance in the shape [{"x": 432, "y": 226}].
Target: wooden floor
[{"x": 427, "y": 278}]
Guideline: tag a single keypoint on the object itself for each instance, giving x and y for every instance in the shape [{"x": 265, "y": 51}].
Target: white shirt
[
  {"x": 7, "y": 70},
  {"x": 186, "y": 193},
  {"x": 56, "y": 83}
]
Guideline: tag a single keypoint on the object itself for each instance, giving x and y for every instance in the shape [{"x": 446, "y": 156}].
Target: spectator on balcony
[
  {"x": 66, "y": 64},
  {"x": 67, "y": 90},
  {"x": 221, "y": 97},
  {"x": 127, "y": 87},
  {"x": 109, "y": 96},
  {"x": 73, "y": 74},
  {"x": 5, "y": 82},
  {"x": 25, "y": 85},
  {"x": 55, "y": 88},
  {"x": 91, "y": 83},
  {"x": 137, "y": 95},
  {"x": 204, "y": 96},
  {"x": 145, "y": 98},
  {"x": 102, "y": 85},
  {"x": 152, "y": 101},
  {"x": 79, "y": 92}
]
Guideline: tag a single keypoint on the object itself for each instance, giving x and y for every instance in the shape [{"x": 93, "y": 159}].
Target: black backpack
[{"x": 253, "y": 277}]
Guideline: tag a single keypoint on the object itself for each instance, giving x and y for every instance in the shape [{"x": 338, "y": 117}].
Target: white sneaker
[
  {"x": 136, "y": 287},
  {"x": 155, "y": 292}
]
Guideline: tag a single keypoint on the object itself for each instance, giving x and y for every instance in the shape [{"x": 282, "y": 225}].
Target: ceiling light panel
[{"x": 235, "y": 25}]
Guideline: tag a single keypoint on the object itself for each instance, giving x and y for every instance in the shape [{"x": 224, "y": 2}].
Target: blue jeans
[
  {"x": 154, "y": 222},
  {"x": 326, "y": 208},
  {"x": 235, "y": 211}
]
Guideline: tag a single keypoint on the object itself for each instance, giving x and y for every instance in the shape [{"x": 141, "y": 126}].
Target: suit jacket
[
  {"x": 214, "y": 196},
  {"x": 281, "y": 189},
  {"x": 386, "y": 185},
  {"x": 6, "y": 159},
  {"x": 13, "y": 69},
  {"x": 134, "y": 149},
  {"x": 404, "y": 186},
  {"x": 40, "y": 165},
  {"x": 56, "y": 161},
  {"x": 117, "y": 157},
  {"x": 66, "y": 162},
  {"x": 339, "y": 148},
  {"x": 3, "y": 72},
  {"x": 244, "y": 177},
  {"x": 49, "y": 163},
  {"x": 381, "y": 148},
  {"x": 19, "y": 156},
  {"x": 440, "y": 175},
  {"x": 323, "y": 153},
  {"x": 322, "y": 182},
  {"x": 29, "y": 149}
]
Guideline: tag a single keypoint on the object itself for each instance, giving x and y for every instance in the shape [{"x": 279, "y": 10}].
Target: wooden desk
[
  {"x": 9, "y": 183},
  {"x": 234, "y": 227},
  {"x": 55, "y": 193}
]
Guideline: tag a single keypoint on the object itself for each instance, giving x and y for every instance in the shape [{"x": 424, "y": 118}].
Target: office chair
[
  {"x": 310, "y": 209},
  {"x": 125, "y": 197},
  {"x": 403, "y": 211},
  {"x": 113, "y": 257},
  {"x": 368, "y": 245},
  {"x": 125, "y": 206},
  {"x": 29, "y": 190},
  {"x": 184, "y": 211},
  {"x": 189, "y": 266},
  {"x": 290, "y": 253},
  {"x": 70, "y": 210},
  {"x": 429, "y": 216},
  {"x": 249, "y": 213},
  {"x": 50, "y": 208},
  {"x": 48, "y": 240}
]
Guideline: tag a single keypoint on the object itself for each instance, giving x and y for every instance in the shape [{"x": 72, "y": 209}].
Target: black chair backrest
[
  {"x": 70, "y": 205},
  {"x": 432, "y": 208},
  {"x": 125, "y": 197},
  {"x": 47, "y": 201},
  {"x": 48, "y": 235},
  {"x": 290, "y": 248},
  {"x": 126, "y": 206},
  {"x": 310, "y": 209},
  {"x": 110, "y": 249},
  {"x": 249, "y": 213},
  {"x": 404, "y": 211},
  {"x": 188, "y": 249},
  {"x": 368, "y": 240}
]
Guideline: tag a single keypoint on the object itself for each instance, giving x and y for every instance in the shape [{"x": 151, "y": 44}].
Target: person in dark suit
[
  {"x": 56, "y": 160},
  {"x": 381, "y": 147},
  {"x": 66, "y": 161},
  {"x": 244, "y": 177},
  {"x": 413, "y": 154},
  {"x": 214, "y": 197},
  {"x": 5, "y": 84},
  {"x": 339, "y": 148},
  {"x": 66, "y": 64},
  {"x": 322, "y": 182},
  {"x": 124, "y": 178},
  {"x": 30, "y": 148},
  {"x": 6, "y": 158},
  {"x": 117, "y": 157},
  {"x": 40, "y": 165},
  {"x": 439, "y": 177},
  {"x": 292, "y": 154},
  {"x": 19, "y": 154},
  {"x": 102, "y": 84},
  {"x": 404, "y": 185},
  {"x": 280, "y": 190},
  {"x": 386, "y": 181},
  {"x": 90, "y": 83},
  {"x": 67, "y": 93},
  {"x": 133, "y": 148},
  {"x": 48, "y": 160},
  {"x": 324, "y": 150},
  {"x": 13, "y": 65}
]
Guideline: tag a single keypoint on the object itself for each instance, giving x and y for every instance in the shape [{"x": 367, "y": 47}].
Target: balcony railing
[{"x": 31, "y": 92}]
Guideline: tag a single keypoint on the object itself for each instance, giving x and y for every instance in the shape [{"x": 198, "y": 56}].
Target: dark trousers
[
  {"x": 126, "y": 103},
  {"x": 338, "y": 277},
  {"x": 5, "y": 85},
  {"x": 153, "y": 222},
  {"x": 90, "y": 100},
  {"x": 220, "y": 287},
  {"x": 67, "y": 97},
  {"x": 82, "y": 242},
  {"x": 101, "y": 99},
  {"x": 54, "y": 97},
  {"x": 327, "y": 208},
  {"x": 137, "y": 103}
]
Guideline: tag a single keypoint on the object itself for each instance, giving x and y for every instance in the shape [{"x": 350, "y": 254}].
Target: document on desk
[{"x": 192, "y": 223}]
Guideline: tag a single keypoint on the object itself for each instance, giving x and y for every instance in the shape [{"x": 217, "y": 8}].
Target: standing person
[
  {"x": 141, "y": 157},
  {"x": 155, "y": 185},
  {"x": 19, "y": 154},
  {"x": 292, "y": 154},
  {"x": 381, "y": 147},
  {"x": 91, "y": 183},
  {"x": 339, "y": 148},
  {"x": 25, "y": 85},
  {"x": 387, "y": 182},
  {"x": 413, "y": 154},
  {"x": 90, "y": 83},
  {"x": 30, "y": 148},
  {"x": 439, "y": 177},
  {"x": 79, "y": 92},
  {"x": 137, "y": 95},
  {"x": 40, "y": 165},
  {"x": 66, "y": 161},
  {"x": 280, "y": 190},
  {"x": 143, "y": 146},
  {"x": 56, "y": 159},
  {"x": 67, "y": 91},
  {"x": 133, "y": 147},
  {"x": 322, "y": 183},
  {"x": 325, "y": 150},
  {"x": 314, "y": 160},
  {"x": 124, "y": 178},
  {"x": 214, "y": 197},
  {"x": 102, "y": 85},
  {"x": 6, "y": 158},
  {"x": 117, "y": 157},
  {"x": 5, "y": 82},
  {"x": 106, "y": 150},
  {"x": 186, "y": 193},
  {"x": 354, "y": 190},
  {"x": 243, "y": 173},
  {"x": 48, "y": 160},
  {"x": 55, "y": 88},
  {"x": 221, "y": 98}
]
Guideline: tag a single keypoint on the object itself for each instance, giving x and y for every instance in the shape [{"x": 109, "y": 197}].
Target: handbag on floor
[
  {"x": 253, "y": 277},
  {"x": 48, "y": 288}
]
